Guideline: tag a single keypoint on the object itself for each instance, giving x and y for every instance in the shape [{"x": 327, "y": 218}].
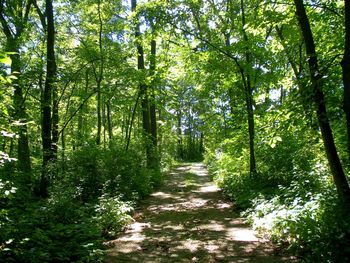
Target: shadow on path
[{"x": 188, "y": 220}]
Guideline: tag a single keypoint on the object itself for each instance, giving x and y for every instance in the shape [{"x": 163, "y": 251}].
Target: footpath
[{"x": 189, "y": 220}]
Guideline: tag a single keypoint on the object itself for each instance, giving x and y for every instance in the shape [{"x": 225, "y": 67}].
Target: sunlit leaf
[{"x": 5, "y": 60}]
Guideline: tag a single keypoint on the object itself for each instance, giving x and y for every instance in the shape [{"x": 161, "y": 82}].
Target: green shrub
[
  {"x": 51, "y": 232},
  {"x": 86, "y": 172},
  {"x": 94, "y": 170},
  {"x": 292, "y": 199},
  {"x": 91, "y": 197},
  {"x": 112, "y": 214},
  {"x": 309, "y": 223}
]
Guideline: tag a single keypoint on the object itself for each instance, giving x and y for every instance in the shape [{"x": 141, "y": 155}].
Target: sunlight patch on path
[
  {"x": 163, "y": 195},
  {"x": 241, "y": 234},
  {"x": 189, "y": 244},
  {"x": 207, "y": 189}
]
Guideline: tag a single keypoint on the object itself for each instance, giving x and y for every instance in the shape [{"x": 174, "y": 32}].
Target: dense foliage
[
  {"x": 99, "y": 98},
  {"x": 91, "y": 199}
]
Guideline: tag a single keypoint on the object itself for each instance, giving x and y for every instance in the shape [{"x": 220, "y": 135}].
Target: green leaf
[{"x": 5, "y": 60}]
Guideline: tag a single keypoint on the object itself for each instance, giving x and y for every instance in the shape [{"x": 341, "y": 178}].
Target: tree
[
  {"x": 14, "y": 17},
  {"x": 154, "y": 162},
  {"x": 345, "y": 63},
  {"x": 321, "y": 110},
  {"x": 98, "y": 73},
  {"x": 248, "y": 89},
  {"x": 48, "y": 122},
  {"x": 148, "y": 112}
]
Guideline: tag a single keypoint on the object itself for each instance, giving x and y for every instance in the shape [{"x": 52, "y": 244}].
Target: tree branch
[
  {"x": 75, "y": 112},
  {"x": 7, "y": 31},
  {"x": 21, "y": 26},
  {"x": 41, "y": 15},
  {"x": 220, "y": 50}
]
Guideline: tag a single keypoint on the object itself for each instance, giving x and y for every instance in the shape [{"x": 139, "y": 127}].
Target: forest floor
[{"x": 189, "y": 220}]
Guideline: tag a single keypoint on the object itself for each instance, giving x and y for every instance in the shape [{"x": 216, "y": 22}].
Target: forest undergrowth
[
  {"x": 297, "y": 209},
  {"x": 91, "y": 199}
]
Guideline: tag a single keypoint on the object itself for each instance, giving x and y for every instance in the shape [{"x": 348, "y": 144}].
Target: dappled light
[
  {"x": 208, "y": 188},
  {"x": 189, "y": 220},
  {"x": 174, "y": 131}
]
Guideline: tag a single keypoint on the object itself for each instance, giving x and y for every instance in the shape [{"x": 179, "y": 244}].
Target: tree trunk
[
  {"x": 98, "y": 111},
  {"x": 81, "y": 114},
  {"x": 249, "y": 99},
  {"x": 23, "y": 152},
  {"x": 180, "y": 152},
  {"x": 80, "y": 132},
  {"x": 152, "y": 108},
  {"x": 346, "y": 74},
  {"x": 109, "y": 122},
  {"x": 104, "y": 122},
  {"x": 55, "y": 119},
  {"x": 13, "y": 23},
  {"x": 48, "y": 153},
  {"x": 339, "y": 177},
  {"x": 153, "y": 99},
  {"x": 146, "y": 122},
  {"x": 146, "y": 125},
  {"x": 129, "y": 127},
  {"x": 63, "y": 151},
  {"x": 99, "y": 78},
  {"x": 251, "y": 128}
]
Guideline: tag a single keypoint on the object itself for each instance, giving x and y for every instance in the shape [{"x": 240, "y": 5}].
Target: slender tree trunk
[
  {"x": 109, "y": 122},
  {"x": 346, "y": 73},
  {"x": 159, "y": 138},
  {"x": 80, "y": 133},
  {"x": 99, "y": 118},
  {"x": 11, "y": 147},
  {"x": 132, "y": 118},
  {"x": 81, "y": 113},
  {"x": 63, "y": 151},
  {"x": 339, "y": 177},
  {"x": 249, "y": 98},
  {"x": 179, "y": 136},
  {"x": 146, "y": 125},
  {"x": 55, "y": 119},
  {"x": 201, "y": 144},
  {"x": 153, "y": 98},
  {"x": 48, "y": 154},
  {"x": 146, "y": 122},
  {"x": 251, "y": 128},
  {"x": 13, "y": 20},
  {"x": 104, "y": 123},
  {"x": 154, "y": 163},
  {"x": 189, "y": 149},
  {"x": 99, "y": 77},
  {"x": 23, "y": 152}
]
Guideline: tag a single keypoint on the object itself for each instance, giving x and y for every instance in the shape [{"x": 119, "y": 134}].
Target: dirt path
[{"x": 188, "y": 220}]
